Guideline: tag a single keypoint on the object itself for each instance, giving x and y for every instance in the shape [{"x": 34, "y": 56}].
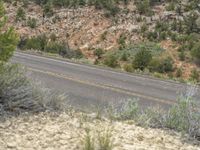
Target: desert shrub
[
  {"x": 41, "y": 43},
  {"x": 100, "y": 140},
  {"x": 144, "y": 28},
  {"x": 142, "y": 59},
  {"x": 88, "y": 141},
  {"x": 105, "y": 140},
  {"x": 190, "y": 22},
  {"x": 25, "y": 3},
  {"x": 182, "y": 116},
  {"x": 128, "y": 110},
  {"x": 32, "y": 22},
  {"x": 53, "y": 37},
  {"x": 161, "y": 65},
  {"x": 124, "y": 57},
  {"x": 122, "y": 41},
  {"x": 55, "y": 47},
  {"x": 36, "y": 43},
  {"x": 194, "y": 76},
  {"x": 48, "y": 9},
  {"x": 182, "y": 55},
  {"x": 63, "y": 50},
  {"x": 154, "y": 65},
  {"x": 18, "y": 94},
  {"x": 128, "y": 67},
  {"x": 111, "y": 60},
  {"x": 143, "y": 6},
  {"x": 179, "y": 72},
  {"x": 21, "y": 15},
  {"x": 171, "y": 6},
  {"x": 98, "y": 52},
  {"x": 196, "y": 51},
  {"x": 166, "y": 65},
  {"x": 152, "y": 35}
]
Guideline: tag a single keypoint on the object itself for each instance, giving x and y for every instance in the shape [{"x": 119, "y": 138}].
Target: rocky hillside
[
  {"x": 88, "y": 29},
  {"x": 85, "y": 28}
]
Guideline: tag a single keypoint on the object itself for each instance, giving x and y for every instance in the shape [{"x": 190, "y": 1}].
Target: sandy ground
[{"x": 66, "y": 131}]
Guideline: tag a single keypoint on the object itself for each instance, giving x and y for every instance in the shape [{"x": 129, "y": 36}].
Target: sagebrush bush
[
  {"x": 18, "y": 94},
  {"x": 184, "y": 116}
]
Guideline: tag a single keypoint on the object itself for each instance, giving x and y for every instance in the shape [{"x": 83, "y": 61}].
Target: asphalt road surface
[{"x": 90, "y": 87}]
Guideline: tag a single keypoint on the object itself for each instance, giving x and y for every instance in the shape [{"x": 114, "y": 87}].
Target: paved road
[{"x": 92, "y": 86}]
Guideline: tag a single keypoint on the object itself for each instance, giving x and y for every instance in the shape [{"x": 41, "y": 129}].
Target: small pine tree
[{"x": 8, "y": 37}]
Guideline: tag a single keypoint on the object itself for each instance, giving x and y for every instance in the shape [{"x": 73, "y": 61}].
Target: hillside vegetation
[{"x": 157, "y": 37}]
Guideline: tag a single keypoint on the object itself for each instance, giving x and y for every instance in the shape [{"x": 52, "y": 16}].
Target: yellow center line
[{"x": 108, "y": 87}]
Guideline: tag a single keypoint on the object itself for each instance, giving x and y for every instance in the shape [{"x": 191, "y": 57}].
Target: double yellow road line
[{"x": 103, "y": 86}]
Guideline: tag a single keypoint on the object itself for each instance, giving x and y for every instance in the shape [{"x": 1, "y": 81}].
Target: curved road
[{"x": 94, "y": 86}]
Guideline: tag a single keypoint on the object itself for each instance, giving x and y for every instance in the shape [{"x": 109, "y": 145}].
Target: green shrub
[
  {"x": 142, "y": 59},
  {"x": 190, "y": 22},
  {"x": 166, "y": 65},
  {"x": 179, "y": 72},
  {"x": 182, "y": 56},
  {"x": 171, "y": 6},
  {"x": 21, "y": 15},
  {"x": 122, "y": 41},
  {"x": 25, "y": 3},
  {"x": 36, "y": 43},
  {"x": 98, "y": 52},
  {"x": 8, "y": 37},
  {"x": 196, "y": 51},
  {"x": 128, "y": 67},
  {"x": 111, "y": 60},
  {"x": 53, "y": 37},
  {"x": 143, "y": 6},
  {"x": 48, "y": 9},
  {"x": 194, "y": 76},
  {"x": 124, "y": 57},
  {"x": 32, "y": 22},
  {"x": 161, "y": 65}
]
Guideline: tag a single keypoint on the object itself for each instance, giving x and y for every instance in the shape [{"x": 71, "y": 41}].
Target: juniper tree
[{"x": 8, "y": 37}]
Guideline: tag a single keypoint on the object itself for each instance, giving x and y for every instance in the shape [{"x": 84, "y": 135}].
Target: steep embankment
[{"x": 86, "y": 28}]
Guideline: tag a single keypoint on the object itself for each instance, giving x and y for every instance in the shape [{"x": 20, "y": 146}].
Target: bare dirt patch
[{"x": 66, "y": 131}]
